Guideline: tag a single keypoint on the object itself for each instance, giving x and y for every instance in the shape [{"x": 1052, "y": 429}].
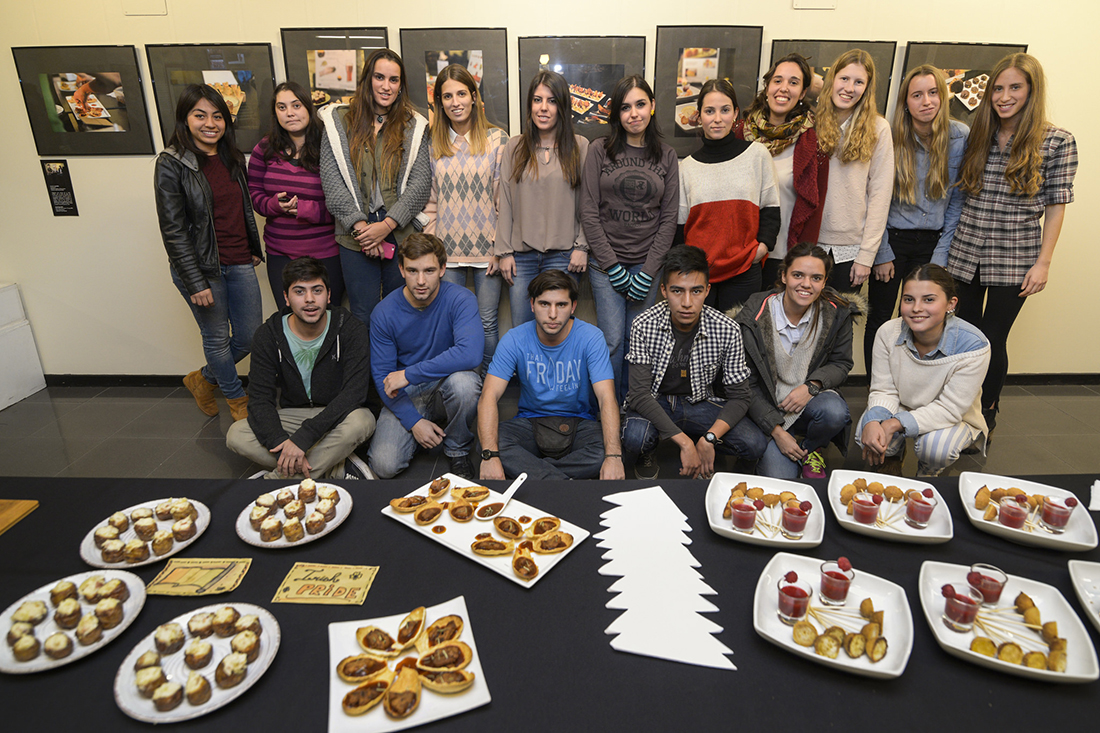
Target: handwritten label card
[
  {"x": 329, "y": 584},
  {"x": 199, "y": 576}
]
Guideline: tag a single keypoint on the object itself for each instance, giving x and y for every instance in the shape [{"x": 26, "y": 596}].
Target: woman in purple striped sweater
[{"x": 285, "y": 185}]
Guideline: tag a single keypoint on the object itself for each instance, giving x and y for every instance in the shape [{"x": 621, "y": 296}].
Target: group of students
[{"x": 880, "y": 204}]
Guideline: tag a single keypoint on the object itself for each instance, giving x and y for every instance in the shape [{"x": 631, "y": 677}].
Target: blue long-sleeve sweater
[{"x": 444, "y": 338}]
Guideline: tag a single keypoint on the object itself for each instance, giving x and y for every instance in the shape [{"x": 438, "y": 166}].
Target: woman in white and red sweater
[{"x": 729, "y": 201}]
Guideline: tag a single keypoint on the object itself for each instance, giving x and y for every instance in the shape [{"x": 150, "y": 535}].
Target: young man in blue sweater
[{"x": 426, "y": 340}]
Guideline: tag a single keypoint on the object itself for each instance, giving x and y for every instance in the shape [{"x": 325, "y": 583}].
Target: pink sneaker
[{"x": 813, "y": 466}]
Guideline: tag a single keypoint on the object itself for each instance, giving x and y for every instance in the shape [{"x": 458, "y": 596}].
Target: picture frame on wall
[
  {"x": 821, "y": 55},
  {"x": 328, "y": 61},
  {"x": 592, "y": 65},
  {"x": 84, "y": 100},
  {"x": 483, "y": 51},
  {"x": 967, "y": 66},
  {"x": 243, "y": 73},
  {"x": 689, "y": 56}
]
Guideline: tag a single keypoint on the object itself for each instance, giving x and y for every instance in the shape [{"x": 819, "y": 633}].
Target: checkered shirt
[
  {"x": 1000, "y": 230},
  {"x": 717, "y": 343}
]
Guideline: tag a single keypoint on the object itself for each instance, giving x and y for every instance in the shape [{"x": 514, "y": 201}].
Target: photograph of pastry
[
  {"x": 85, "y": 101},
  {"x": 333, "y": 74},
  {"x": 590, "y": 87},
  {"x": 695, "y": 67}
]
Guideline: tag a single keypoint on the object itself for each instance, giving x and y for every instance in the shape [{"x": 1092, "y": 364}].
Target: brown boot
[
  {"x": 202, "y": 391},
  {"x": 891, "y": 465},
  {"x": 238, "y": 407}
]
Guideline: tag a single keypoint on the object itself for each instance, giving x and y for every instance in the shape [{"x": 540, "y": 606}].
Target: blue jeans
[
  {"x": 228, "y": 325},
  {"x": 614, "y": 314},
  {"x": 640, "y": 436},
  {"x": 529, "y": 264},
  {"x": 368, "y": 280},
  {"x": 825, "y": 417},
  {"x": 487, "y": 288},
  {"x": 519, "y": 453},
  {"x": 453, "y": 399}
]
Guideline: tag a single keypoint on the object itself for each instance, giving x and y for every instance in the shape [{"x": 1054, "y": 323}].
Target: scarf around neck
[{"x": 776, "y": 138}]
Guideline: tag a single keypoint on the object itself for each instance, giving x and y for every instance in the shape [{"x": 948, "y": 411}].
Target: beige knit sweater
[{"x": 938, "y": 393}]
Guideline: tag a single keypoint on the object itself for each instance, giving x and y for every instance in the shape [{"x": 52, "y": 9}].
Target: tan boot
[
  {"x": 238, "y": 407},
  {"x": 202, "y": 391}
]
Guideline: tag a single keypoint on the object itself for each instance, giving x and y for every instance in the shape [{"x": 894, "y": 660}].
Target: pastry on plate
[
  {"x": 201, "y": 625},
  {"x": 148, "y": 679},
  {"x": 267, "y": 501},
  {"x": 142, "y": 512},
  {"x": 247, "y": 644},
  {"x": 115, "y": 588},
  {"x": 145, "y": 528},
  {"x": 163, "y": 542},
  {"x": 257, "y": 516},
  {"x": 295, "y": 509},
  {"x": 271, "y": 529},
  {"x": 119, "y": 521},
  {"x": 147, "y": 659},
  {"x": 89, "y": 630},
  {"x": 19, "y": 630},
  {"x": 58, "y": 645},
  {"x": 113, "y": 551},
  {"x": 249, "y": 622},
  {"x": 231, "y": 670},
  {"x": 183, "y": 509},
  {"x": 293, "y": 530},
  {"x": 198, "y": 653},
  {"x": 326, "y": 509},
  {"x": 328, "y": 493},
  {"x": 105, "y": 533},
  {"x": 184, "y": 529},
  {"x": 198, "y": 689},
  {"x": 307, "y": 491},
  {"x": 168, "y": 638},
  {"x": 284, "y": 497},
  {"x": 225, "y": 621},
  {"x": 163, "y": 510},
  {"x": 168, "y": 696},
  {"x": 26, "y": 648},
  {"x": 136, "y": 551},
  {"x": 68, "y": 613},
  {"x": 31, "y": 612},
  {"x": 315, "y": 522},
  {"x": 89, "y": 589}
]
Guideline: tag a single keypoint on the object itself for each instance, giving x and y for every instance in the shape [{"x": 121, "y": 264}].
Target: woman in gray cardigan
[
  {"x": 798, "y": 345},
  {"x": 376, "y": 173}
]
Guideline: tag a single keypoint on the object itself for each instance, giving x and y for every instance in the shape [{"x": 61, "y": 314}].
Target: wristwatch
[
  {"x": 712, "y": 439},
  {"x": 487, "y": 454},
  {"x": 814, "y": 389}
]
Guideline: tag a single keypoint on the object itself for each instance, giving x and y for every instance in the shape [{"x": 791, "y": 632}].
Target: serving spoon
[{"x": 487, "y": 512}]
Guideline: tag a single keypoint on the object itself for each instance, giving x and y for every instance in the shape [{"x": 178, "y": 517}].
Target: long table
[{"x": 547, "y": 661}]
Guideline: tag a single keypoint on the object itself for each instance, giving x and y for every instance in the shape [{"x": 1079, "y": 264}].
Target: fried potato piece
[
  {"x": 876, "y": 487},
  {"x": 1010, "y": 652},
  {"x": 981, "y": 499},
  {"x": 1024, "y": 602},
  {"x": 1050, "y": 631},
  {"x": 837, "y": 633},
  {"x": 785, "y": 496},
  {"x": 770, "y": 500},
  {"x": 990, "y": 512},
  {"x": 804, "y": 633},
  {"x": 1013, "y": 491},
  {"x": 878, "y": 617},
  {"x": 892, "y": 493},
  {"x": 755, "y": 493},
  {"x": 871, "y": 631},
  {"x": 847, "y": 493},
  {"x": 876, "y": 651},
  {"x": 997, "y": 494},
  {"x": 827, "y": 646},
  {"x": 866, "y": 608},
  {"x": 1032, "y": 617},
  {"x": 1035, "y": 660},
  {"x": 984, "y": 645},
  {"x": 860, "y": 484},
  {"x": 1057, "y": 645},
  {"x": 855, "y": 645},
  {"x": 1056, "y": 662}
]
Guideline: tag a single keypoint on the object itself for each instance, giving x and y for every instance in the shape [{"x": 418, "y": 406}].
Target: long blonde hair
[
  {"x": 360, "y": 119},
  {"x": 1025, "y": 163},
  {"x": 441, "y": 123},
  {"x": 859, "y": 143},
  {"x": 906, "y": 142}
]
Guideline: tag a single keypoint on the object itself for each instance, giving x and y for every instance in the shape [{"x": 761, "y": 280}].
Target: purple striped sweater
[{"x": 312, "y": 231}]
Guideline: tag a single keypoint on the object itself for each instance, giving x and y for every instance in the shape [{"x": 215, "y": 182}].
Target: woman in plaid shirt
[{"x": 1017, "y": 169}]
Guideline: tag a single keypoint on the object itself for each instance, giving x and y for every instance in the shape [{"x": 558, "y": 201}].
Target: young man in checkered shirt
[{"x": 687, "y": 376}]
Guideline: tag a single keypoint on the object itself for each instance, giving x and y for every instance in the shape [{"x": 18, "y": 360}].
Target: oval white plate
[
  {"x": 141, "y": 708},
  {"x": 252, "y": 536},
  {"x": 90, "y": 554},
  {"x": 940, "y": 527},
  {"x": 1081, "y": 663},
  {"x": 888, "y": 597},
  {"x": 1080, "y": 531},
  {"x": 718, "y": 493},
  {"x": 131, "y": 607},
  {"x": 1086, "y": 584}
]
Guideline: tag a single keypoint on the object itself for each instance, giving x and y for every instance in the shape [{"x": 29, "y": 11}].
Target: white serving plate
[
  {"x": 1081, "y": 656},
  {"x": 140, "y": 708},
  {"x": 1080, "y": 531},
  {"x": 940, "y": 527},
  {"x": 460, "y": 535},
  {"x": 718, "y": 493},
  {"x": 90, "y": 554},
  {"x": 888, "y": 597},
  {"x": 252, "y": 536},
  {"x": 1086, "y": 583},
  {"x": 686, "y": 108},
  {"x": 433, "y": 705},
  {"x": 131, "y": 607}
]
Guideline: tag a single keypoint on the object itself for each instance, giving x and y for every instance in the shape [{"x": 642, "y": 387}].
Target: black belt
[{"x": 915, "y": 236}]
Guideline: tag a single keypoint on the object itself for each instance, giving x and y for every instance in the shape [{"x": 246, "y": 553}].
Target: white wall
[{"x": 97, "y": 288}]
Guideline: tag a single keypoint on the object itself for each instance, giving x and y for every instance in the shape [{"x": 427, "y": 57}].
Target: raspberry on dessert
[
  {"x": 791, "y": 577},
  {"x": 1071, "y": 502},
  {"x": 844, "y": 564},
  {"x": 927, "y": 493},
  {"x": 948, "y": 591},
  {"x": 806, "y": 506},
  {"x": 759, "y": 504},
  {"x": 877, "y": 498}
]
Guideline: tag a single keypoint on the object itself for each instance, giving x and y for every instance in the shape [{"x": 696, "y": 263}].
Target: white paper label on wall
[{"x": 814, "y": 4}]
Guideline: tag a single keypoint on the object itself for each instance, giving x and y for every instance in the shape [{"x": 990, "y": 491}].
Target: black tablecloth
[{"x": 547, "y": 662}]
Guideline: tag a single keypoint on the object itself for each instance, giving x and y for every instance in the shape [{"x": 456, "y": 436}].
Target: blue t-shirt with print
[
  {"x": 554, "y": 380},
  {"x": 305, "y": 352}
]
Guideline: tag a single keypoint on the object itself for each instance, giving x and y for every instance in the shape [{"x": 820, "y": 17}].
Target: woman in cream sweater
[{"x": 926, "y": 381}]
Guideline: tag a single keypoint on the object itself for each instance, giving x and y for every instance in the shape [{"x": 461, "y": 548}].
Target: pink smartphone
[{"x": 387, "y": 250}]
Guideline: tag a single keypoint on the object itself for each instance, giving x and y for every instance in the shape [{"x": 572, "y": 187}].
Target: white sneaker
[
  {"x": 258, "y": 474},
  {"x": 356, "y": 468}
]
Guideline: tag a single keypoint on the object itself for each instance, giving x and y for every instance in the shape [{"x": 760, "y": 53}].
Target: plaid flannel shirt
[
  {"x": 717, "y": 343},
  {"x": 999, "y": 229}
]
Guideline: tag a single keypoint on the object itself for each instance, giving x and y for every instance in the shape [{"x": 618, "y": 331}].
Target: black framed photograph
[
  {"x": 967, "y": 66},
  {"x": 483, "y": 51},
  {"x": 84, "y": 100},
  {"x": 328, "y": 61},
  {"x": 243, "y": 73},
  {"x": 592, "y": 65},
  {"x": 822, "y": 54},
  {"x": 689, "y": 56}
]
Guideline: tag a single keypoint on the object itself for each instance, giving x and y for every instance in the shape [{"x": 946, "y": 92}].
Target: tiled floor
[{"x": 137, "y": 432}]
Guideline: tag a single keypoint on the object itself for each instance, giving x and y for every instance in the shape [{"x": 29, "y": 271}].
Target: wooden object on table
[{"x": 12, "y": 510}]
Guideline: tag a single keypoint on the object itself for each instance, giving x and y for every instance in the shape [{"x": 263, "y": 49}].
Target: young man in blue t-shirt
[
  {"x": 565, "y": 375},
  {"x": 426, "y": 340},
  {"x": 307, "y": 385}
]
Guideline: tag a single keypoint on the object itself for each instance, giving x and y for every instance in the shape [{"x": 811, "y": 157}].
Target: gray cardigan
[{"x": 343, "y": 196}]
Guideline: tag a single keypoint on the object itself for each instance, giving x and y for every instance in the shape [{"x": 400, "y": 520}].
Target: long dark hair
[
  {"x": 277, "y": 142},
  {"x": 616, "y": 141},
  {"x": 360, "y": 119},
  {"x": 181, "y": 137},
  {"x": 760, "y": 101},
  {"x": 569, "y": 154}
]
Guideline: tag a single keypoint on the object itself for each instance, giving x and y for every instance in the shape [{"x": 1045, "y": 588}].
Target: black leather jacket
[{"x": 185, "y": 208}]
